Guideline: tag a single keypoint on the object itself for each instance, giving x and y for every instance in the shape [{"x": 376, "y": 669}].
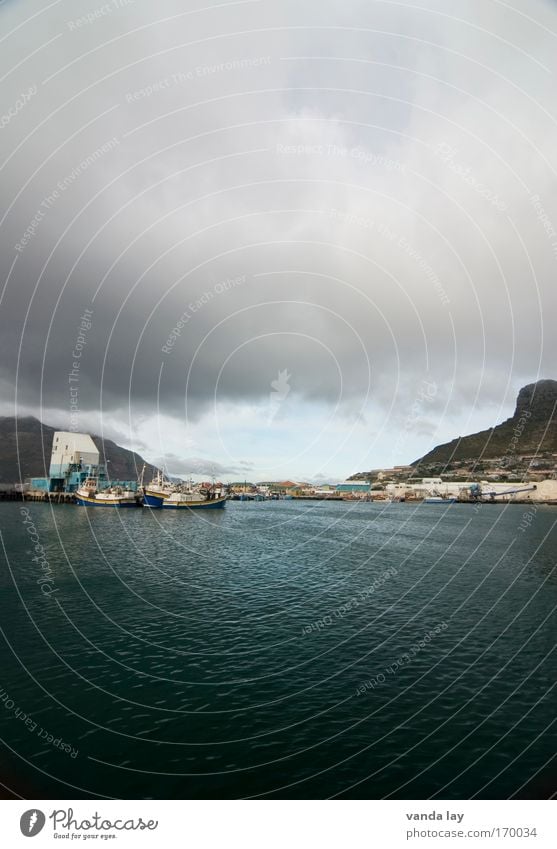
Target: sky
[{"x": 265, "y": 239}]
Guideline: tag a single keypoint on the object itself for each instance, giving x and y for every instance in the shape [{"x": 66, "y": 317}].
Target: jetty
[{"x": 17, "y": 492}]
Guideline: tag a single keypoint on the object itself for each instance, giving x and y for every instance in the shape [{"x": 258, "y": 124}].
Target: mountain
[
  {"x": 31, "y": 441},
  {"x": 532, "y": 429}
]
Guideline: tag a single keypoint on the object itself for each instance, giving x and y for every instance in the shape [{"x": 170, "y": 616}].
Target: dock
[
  {"x": 44, "y": 497},
  {"x": 10, "y": 495}
]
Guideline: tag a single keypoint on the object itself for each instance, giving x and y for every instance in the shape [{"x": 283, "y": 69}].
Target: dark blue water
[{"x": 279, "y": 649}]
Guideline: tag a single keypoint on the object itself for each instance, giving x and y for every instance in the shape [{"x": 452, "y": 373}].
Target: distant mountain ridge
[
  {"x": 531, "y": 429},
  {"x": 32, "y": 440}
]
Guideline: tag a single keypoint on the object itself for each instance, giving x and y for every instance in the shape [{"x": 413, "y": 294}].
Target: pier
[
  {"x": 10, "y": 495},
  {"x": 37, "y": 495}
]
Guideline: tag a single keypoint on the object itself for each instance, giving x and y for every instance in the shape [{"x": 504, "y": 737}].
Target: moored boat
[
  {"x": 88, "y": 495},
  {"x": 162, "y": 493},
  {"x": 192, "y": 501},
  {"x": 157, "y": 491},
  {"x": 189, "y": 497}
]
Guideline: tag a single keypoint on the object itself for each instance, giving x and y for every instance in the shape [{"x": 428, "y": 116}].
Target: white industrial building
[
  {"x": 69, "y": 449},
  {"x": 502, "y": 491}
]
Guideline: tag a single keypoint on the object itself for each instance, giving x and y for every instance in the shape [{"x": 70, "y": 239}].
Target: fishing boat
[
  {"x": 88, "y": 495},
  {"x": 162, "y": 493},
  {"x": 157, "y": 491},
  {"x": 192, "y": 500}
]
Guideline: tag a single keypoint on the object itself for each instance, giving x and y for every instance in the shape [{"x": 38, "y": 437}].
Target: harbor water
[{"x": 278, "y": 649}]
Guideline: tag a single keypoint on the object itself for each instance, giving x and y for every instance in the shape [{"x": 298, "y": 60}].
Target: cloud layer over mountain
[{"x": 360, "y": 195}]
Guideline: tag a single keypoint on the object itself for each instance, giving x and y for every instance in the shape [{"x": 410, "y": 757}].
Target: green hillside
[{"x": 532, "y": 429}]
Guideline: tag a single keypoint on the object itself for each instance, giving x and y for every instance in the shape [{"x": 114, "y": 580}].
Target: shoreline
[{"x": 68, "y": 498}]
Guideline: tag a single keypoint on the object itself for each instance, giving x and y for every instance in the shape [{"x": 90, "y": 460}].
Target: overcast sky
[{"x": 308, "y": 238}]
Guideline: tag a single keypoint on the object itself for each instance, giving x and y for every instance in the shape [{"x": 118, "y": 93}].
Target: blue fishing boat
[
  {"x": 191, "y": 500},
  {"x": 162, "y": 493},
  {"x": 155, "y": 493}
]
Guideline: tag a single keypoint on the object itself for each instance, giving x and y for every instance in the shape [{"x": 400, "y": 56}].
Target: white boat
[
  {"x": 162, "y": 493},
  {"x": 88, "y": 495},
  {"x": 192, "y": 500}
]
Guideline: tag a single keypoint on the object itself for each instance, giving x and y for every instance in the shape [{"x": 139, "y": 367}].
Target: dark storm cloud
[{"x": 225, "y": 208}]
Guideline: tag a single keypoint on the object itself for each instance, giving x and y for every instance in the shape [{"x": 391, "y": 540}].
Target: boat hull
[
  {"x": 213, "y": 504},
  {"x": 151, "y": 499},
  {"x": 83, "y": 501}
]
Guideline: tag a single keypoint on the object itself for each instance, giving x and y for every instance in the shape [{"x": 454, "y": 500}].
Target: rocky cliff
[{"x": 532, "y": 429}]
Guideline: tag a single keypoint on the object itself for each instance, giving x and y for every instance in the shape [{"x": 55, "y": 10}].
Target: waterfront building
[
  {"x": 73, "y": 459},
  {"x": 353, "y": 487},
  {"x": 500, "y": 491}
]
